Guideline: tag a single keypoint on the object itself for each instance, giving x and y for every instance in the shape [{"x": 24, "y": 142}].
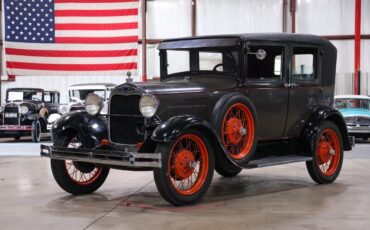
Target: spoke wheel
[
  {"x": 238, "y": 131},
  {"x": 328, "y": 152},
  {"x": 187, "y": 168},
  {"x": 188, "y": 164},
  {"x": 76, "y": 177}
]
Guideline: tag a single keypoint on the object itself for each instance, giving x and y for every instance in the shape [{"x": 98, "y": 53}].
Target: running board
[{"x": 279, "y": 160}]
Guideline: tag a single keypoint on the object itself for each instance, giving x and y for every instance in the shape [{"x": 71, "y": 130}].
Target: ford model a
[
  {"x": 223, "y": 103},
  {"x": 26, "y": 112}
]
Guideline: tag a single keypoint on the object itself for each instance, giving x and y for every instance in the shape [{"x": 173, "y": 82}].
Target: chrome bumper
[
  {"x": 103, "y": 157},
  {"x": 358, "y": 129}
]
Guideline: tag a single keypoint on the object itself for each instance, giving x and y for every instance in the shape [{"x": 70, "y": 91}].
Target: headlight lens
[
  {"x": 148, "y": 105},
  {"x": 93, "y": 104},
  {"x": 24, "y": 109}
]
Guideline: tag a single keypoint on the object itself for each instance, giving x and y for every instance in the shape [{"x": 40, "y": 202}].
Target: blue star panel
[{"x": 29, "y": 21}]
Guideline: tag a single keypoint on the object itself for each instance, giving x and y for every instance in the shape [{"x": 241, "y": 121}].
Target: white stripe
[
  {"x": 96, "y": 6},
  {"x": 74, "y": 47},
  {"x": 24, "y": 72},
  {"x": 77, "y": 60},
  {"x": 95, "y": 20},
  {"x": 96, "y": 33}
]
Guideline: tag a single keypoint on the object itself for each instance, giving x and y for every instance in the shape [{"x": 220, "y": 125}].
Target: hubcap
[
  {"x": 328, "y": 152},
  {"x": 234, "y": 129},
  {"x": 184, "y": 162}
]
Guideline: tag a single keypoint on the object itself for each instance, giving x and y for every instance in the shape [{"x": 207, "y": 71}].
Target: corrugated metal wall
[{"x": 171, "y": 18}]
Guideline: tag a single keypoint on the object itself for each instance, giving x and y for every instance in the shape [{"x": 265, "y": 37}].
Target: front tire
[
  {"x": 328, "y": 156},
  {"x": 77, "y": 178},
  {"x": 36, "y": 131},
  {"x": 187, "y": 168}
]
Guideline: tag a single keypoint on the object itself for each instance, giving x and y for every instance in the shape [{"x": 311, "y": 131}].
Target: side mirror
[{"x": 260, "y": 54}]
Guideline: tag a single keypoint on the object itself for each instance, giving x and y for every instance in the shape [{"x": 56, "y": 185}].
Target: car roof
[
  {"x": 92, "y": 86},
  {"x": 234, "y": 39},
  {"x": 352, "y": 97},
  {"x": 21, "y": 89}
]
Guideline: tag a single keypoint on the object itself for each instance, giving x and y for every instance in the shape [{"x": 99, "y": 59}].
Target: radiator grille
[
  {"x": 125, "y": 120},
  {"x": 11, "y": 109}
]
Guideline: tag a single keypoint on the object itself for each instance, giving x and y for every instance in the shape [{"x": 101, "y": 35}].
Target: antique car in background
[
  {"x": 223, "y": 103},
  {"x": 77, "y": 95},
  {"x": 26, "y": 112},
  {"x": 356, "y": 112}
]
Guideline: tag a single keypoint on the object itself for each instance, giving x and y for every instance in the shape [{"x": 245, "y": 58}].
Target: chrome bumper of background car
[
  {"x": 358, "y": 129},
  {"x": 16, "y": 127},
  {"x": 103, "y": 157}
]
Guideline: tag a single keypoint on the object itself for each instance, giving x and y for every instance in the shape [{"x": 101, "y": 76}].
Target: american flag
[{"x": 71, "y": 37}]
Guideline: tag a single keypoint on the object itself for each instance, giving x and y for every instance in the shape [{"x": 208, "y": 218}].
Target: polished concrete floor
[{"x": 280, "y": 197}]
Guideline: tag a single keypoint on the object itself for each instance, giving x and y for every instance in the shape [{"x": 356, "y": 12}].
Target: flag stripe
[
  {"x": 66, "y": 53},
  {"x": 28, "y": 72},
  {"x": 71, "y": 47},
  {"x": 95, "y": 20},
  {"x": 70, "y": 60},
  {"x": 93, "y": 1},
  {"x": 70, "y": 67},
  {"x": 113, "y": 26},
  {"x": 95, "y": 13},
  {"x": 95, "y": 33},
  {"x": 94, "y": 40},
  {"x": 94, "y": 6}
]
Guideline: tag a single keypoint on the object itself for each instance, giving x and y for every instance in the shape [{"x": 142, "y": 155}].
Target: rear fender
[
  {"x": 90, "y": 129},
  {"x": 311, "y": 128}
]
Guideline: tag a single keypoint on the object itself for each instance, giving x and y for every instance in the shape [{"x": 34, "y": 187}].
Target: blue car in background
[{"x": 356, "y": 112}]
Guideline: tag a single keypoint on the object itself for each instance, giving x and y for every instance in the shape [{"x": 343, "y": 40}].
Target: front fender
[
  {"x": 174, "y": 127},
  {"x": 311, "y": 128},
  {"x": 90, "y": 129}
]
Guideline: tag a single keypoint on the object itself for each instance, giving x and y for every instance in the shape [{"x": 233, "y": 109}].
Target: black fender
[
  {"x": 90, "y": 129},
  {"x": 310, "y": 130},
  {"x": 175, "y": 126}
]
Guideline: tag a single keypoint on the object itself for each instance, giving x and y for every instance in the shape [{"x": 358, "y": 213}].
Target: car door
[
  {"x": 266, "y": 87},
  {"x": 304, "y": 86}
]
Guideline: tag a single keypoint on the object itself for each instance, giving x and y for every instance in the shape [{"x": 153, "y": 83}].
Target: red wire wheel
[
  {"x": 238, "y": 131},
  {"x": 188, "y": 164},
  {"x": 82, "y": 173},
  {"x": 328, "y": 152}
]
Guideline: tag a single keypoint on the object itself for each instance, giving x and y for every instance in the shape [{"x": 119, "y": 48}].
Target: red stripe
[
  {"x": 95, "y": 13},
  {"x": 94, "y": 40},
  {"x": 71, "y": 67},
  {"x": 92, "y": 1},
  {"x": 68, "y": 53},
  {"x": 114, "y": 26}
]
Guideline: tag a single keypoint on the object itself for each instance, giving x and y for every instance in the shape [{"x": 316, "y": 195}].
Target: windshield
[
  {"x": 352, "y": 103},
  {"x": 211, "y": 60},
  {"x": 24, "y": 95},
  {"x": 82, "y": 94}
]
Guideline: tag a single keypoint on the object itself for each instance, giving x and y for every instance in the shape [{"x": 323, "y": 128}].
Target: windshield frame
[
  {"x": 23, "y": 91},
  {"x": 194, "y": 62},
  {"x": 71, "y": 93}
]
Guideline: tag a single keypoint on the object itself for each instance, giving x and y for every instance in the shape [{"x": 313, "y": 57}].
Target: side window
[
  {"x": 268, "y": 68},
  {"x": 304, "y": 64}
]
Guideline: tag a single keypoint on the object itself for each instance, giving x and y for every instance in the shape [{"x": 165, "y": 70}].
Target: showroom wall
[{"x": 172, "y": 18}]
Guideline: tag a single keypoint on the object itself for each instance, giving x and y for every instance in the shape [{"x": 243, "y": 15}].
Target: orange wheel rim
[
  {"x": 328, "y": 152},
  {"x": 80, "y": 173},
  {"x": 188, "y": 164},
  {"x": 238, "y": 131}
]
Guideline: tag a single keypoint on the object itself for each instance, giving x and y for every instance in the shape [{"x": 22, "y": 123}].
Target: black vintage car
[
  {"x": 26, "y": 112},
  {"x": 223, "y": 103}
]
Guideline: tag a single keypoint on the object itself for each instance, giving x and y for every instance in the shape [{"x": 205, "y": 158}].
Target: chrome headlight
[
  {"x": 148, "y": 105},
  {"x": 24, "y": 109},
  {"x": 93, "y": 104},
  {"x": 54, "y": 117}
]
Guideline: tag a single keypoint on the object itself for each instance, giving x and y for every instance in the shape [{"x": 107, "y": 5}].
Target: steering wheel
[{"x": 216, "y": 66}]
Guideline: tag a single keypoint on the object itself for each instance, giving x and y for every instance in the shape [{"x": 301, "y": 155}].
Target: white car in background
[{"x": 77, "y": 95}]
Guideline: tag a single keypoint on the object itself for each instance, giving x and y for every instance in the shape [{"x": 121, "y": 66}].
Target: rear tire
[
  {"x": 36, "y": 131},
  {"x": 328, "y": 156},
  {"x": 17, "y": 137},
  {"x": 230, "y": 172},
  {"x": 187, "y": 168},
  {"x": 77, "y": 178}
]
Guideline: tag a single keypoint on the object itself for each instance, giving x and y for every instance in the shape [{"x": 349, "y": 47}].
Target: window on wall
[
  {"x": 304, "y": 64},
  {"x": 270, "y": 67}
]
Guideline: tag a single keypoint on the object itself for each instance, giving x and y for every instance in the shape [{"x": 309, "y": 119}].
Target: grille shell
[
  {"x": 11, "y": 108},
  {"x": 125, "y": 120}
]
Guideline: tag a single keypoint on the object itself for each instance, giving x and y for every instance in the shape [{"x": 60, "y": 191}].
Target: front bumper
[
  {"x": 14, "y": 129},
  {"x": 129, "y": 160}
]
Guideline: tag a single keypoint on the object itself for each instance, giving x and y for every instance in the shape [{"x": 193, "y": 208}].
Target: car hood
[
  {"x": 188, "y": 85},
  {"x": 351, "y": 112}
]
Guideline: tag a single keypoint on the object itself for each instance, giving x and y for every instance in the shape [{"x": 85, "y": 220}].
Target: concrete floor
[{"x": 280, "y": 197}]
